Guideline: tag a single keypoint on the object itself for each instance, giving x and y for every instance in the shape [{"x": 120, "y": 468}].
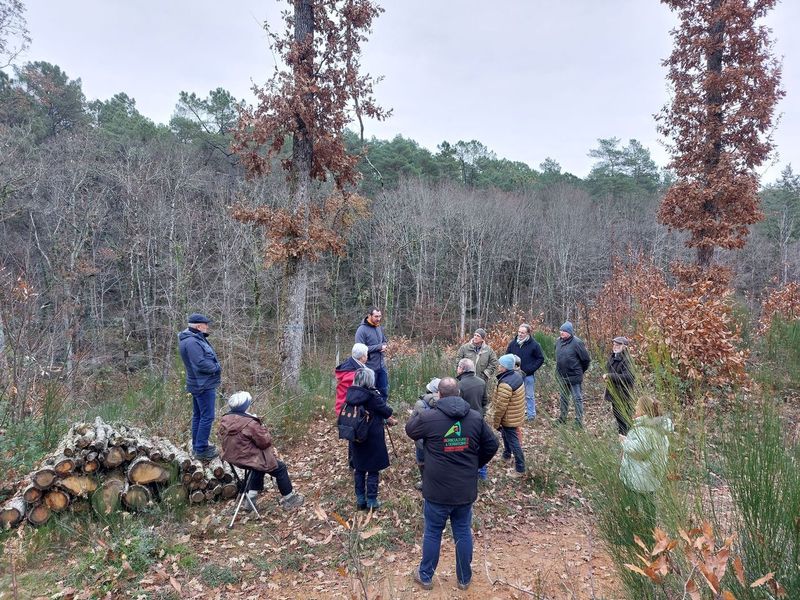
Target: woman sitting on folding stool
[{"x": 247, "y": 443}]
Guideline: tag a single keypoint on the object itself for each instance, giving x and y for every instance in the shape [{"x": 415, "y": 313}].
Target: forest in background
[{"x": 114, "y": 228}]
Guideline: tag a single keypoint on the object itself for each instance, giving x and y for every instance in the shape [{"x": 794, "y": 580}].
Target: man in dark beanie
[
  {"x": 572, "y": 361},
  {"x": 202, "y": 380}
]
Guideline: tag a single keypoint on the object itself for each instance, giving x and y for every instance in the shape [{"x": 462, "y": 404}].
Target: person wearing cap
[
  {"x": 531, "y": 358},
  {"x": 203, "y": 375},
  {"x": 481, "y": 355},
  {"x": 619, "y": 378},
  {"x": 370, "y": 333},
  {"x": 247, "y": 443},
  {"x": 508, "y": 411},
  {"x": 346, "y": 372},
  {"x": 572, "y": 361},
  {"x": 425, "y": 402}
]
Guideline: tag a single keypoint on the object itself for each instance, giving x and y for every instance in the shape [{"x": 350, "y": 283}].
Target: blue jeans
[
  {"x": 530, "y": 398},
  {"x": 366, "y": 485},
  {"x": 382, "y": 382},
  {"x": 512, "y": 445},
  {"x": 436, "y": 516},
  {"x": 574, "y": 390},
  {"x": 203, "y": 405}
]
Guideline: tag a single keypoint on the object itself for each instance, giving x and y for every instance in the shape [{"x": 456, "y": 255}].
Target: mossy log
[
  {"x": 106, "y": 499},
  {"x": 13, "y": 512},
  {"x": 135, "y": 497},
  {"x": 79, "y": 485},
  {"x": 143, "y": 471},
  {"x": 39, "y": 514},
  {"x": 175, "y": 496},
  {"x": 44, "y": 478},
  {"x": 57, "y": 499}
]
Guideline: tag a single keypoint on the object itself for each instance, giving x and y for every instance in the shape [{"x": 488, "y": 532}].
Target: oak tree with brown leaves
[
  {"x": 308, "y": 106},
  {"x": 726, "y": 83}
]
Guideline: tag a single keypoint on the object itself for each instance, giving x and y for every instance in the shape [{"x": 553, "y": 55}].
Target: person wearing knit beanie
[{"x": 572, "y": 361}]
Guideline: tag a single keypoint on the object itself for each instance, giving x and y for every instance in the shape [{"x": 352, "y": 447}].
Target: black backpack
[{"x": 353, "y": 422}]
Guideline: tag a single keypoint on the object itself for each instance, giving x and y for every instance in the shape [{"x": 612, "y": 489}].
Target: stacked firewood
[{"x": 107, "y": 468}]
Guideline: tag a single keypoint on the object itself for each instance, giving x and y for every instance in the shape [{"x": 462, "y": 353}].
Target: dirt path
[{"x": 526, "y": 537}]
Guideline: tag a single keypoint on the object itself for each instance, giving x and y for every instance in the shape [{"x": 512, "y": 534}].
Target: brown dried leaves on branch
[
  {"x": 783, "y": 303},
  {"x": 708, "y": 563},
  {"x": 687, "y": 324},
  {"x": 725, "y": 84}
]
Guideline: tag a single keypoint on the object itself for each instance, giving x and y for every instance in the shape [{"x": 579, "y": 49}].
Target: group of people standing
[{"x": 454, "y": 440}]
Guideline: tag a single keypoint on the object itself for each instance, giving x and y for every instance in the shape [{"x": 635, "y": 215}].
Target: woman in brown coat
[{"x": 247, "y": 443}]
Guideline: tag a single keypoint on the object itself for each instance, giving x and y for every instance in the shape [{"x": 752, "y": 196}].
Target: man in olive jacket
[
  {"x": 572, "y": 361},
  {"x": 508, "y": 411},
  {"x": 457, "y": 443}
]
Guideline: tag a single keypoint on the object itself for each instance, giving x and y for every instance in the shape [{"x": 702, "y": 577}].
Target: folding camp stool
[{"x": 242, "y": 485}]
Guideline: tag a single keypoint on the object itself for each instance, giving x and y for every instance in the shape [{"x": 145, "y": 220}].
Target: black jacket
[
  {"x": 473, "y": 390},
  {"x": 371, "y": 454},
  {"x": 572, "y": 359},
  {"x": 530, "y": 354},
  {"x": 619, "y": 384},
  {"x": 457, "y": 443}
]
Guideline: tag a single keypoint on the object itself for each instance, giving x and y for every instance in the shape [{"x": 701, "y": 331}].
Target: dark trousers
[
  {"x": 281, "y": 475},
  {"x": 436, "y": 516},
  {"x": 512, "y": 446},
  {"x": 203, "y": 406},
  {"x": 622, "y": 413},
  {"x": 366, "y": 485},
  {"x": 382, "y": 382}
]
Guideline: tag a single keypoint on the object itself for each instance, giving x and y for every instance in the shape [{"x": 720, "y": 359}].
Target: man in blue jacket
[
  {"x": 457, "y": 443},
  {"x": 202, "y": 380},
  {"x": 531, "y": 358},
  {"x": 370, "y": 333}
]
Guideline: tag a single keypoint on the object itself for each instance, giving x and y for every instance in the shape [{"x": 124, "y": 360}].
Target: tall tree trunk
[{"x": 296, "y": 285}]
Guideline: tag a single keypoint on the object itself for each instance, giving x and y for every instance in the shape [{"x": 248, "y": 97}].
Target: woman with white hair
[
  {"x": 246, "y": 442},
  {"x": 370, "y": 457}
]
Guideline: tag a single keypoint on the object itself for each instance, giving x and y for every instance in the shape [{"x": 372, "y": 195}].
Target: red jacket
[
  {"x": 345, "y": 373},
  {"x": 246, "y": 442}
]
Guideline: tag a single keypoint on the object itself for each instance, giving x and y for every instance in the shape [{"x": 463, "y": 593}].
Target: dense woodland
[{"x": 116, "y": 227}]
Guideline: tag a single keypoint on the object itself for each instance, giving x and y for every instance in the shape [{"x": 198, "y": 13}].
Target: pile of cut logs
[{"x": 107, "y": 468}]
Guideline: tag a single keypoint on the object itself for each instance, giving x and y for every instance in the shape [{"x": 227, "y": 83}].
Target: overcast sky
[{"x": 528, "y": 78}]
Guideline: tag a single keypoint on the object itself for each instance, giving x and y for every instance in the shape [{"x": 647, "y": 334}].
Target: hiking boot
[
  {"x": 291, "y": 501},
  {"x": 373, "y": 504},
  {"x": 207, "y": 454},
  {"x": 509, "y": 460},
  {"x": 516, "y": 474},
  {"x": 418, "y": 580},
  {"x": 463, "y": 586}
]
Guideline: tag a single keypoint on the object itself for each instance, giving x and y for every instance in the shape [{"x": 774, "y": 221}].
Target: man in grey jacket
[
  {"x": 370, "y": 333},
  {"x": 572, "y": 361}
]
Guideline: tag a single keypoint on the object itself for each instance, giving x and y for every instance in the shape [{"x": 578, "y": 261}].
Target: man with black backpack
[{"x": 457, "y": 443}]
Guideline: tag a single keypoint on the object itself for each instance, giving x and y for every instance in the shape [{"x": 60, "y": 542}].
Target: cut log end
[
  {"x": 39, "y": 515},
  {"x": 56, "y": 500}
]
